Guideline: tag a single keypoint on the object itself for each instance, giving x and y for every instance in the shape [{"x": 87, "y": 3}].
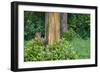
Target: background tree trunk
[
  {"x": 52, "y": 27},
  {"x": 63, "y": 22}
]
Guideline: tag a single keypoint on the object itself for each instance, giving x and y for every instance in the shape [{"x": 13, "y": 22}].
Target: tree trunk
[
  {"x": 52, "y": 27},
  {"x": 63, "y": 22}
]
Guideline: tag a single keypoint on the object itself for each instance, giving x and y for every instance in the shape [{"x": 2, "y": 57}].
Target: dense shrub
[
  {"x": 35, "y": 50},
  {"x": 69, "y": 35},
  {"x": 33, "y": 22},
  {"x": 80, "y": 23}
]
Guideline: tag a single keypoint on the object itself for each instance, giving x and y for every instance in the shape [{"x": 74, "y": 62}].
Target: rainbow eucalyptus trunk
[{"x": 52, "y": 27}]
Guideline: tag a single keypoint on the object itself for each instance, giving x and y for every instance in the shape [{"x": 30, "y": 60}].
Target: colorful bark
[{"x": 52, "y": 27}]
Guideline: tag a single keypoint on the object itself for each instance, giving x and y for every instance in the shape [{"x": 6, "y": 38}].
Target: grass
[{"x": 82, "y": 46}]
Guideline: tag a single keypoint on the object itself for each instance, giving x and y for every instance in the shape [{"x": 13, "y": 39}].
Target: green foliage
[
  {"x": 69, "y": 35},
  {"x": 80, "y": 23},
  {"x": 60, "y": 50},
  {"x": 82, "y": 46},
  {"x": 36, "y": 50},
  {"x": 74, "y": 43},
  {"x": 33, "y": 22}
]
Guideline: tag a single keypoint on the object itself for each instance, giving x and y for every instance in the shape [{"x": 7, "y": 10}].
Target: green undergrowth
[{"x": 37, "y": 50}]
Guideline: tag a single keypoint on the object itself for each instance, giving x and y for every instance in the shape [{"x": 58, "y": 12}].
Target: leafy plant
[
  {"x": 35, "y": 50},
  {"x": 69, "y": 35},
  {"x": 80, "y": 23},
  {"x": 33, "y": 22}
]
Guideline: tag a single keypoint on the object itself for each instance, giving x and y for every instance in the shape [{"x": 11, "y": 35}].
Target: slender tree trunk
[
  {"x": 52, "y": 27},
  {"x": 63, "y": 22}
]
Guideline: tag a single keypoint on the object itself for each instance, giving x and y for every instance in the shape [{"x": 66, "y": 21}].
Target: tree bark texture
[
  {"x": 52, "y": 27},
  {"x": 63, "y": 22}
]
